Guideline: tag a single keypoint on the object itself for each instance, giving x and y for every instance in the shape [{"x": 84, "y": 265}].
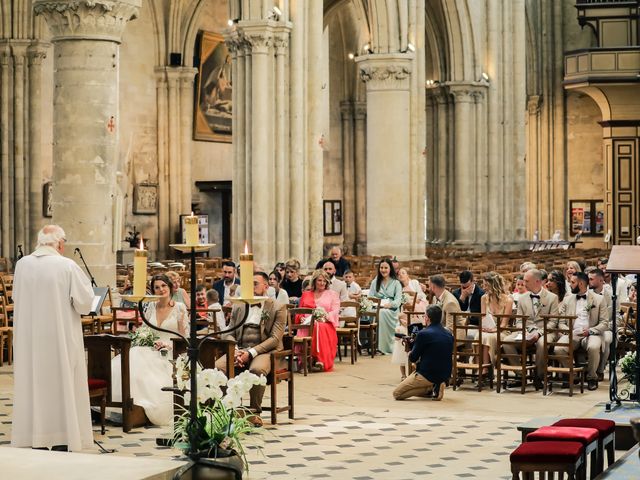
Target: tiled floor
[{"x": 348, "y": 426}]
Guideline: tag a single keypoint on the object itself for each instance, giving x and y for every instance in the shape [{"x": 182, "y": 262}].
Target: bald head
[{"x": 52, "y": 236}]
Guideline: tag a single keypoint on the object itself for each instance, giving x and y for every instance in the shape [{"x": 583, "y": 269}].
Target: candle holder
[{"x": 194, "y": 341}]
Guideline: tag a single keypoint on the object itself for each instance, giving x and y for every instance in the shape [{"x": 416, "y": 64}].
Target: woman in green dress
[{"x": 387, "y": 288}]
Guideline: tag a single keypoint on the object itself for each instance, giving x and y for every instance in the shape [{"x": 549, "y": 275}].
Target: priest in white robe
[{"x": 51, "y": 394}]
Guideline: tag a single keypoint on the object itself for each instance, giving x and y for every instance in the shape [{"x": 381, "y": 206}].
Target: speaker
[{"x": 175, "y": 59}]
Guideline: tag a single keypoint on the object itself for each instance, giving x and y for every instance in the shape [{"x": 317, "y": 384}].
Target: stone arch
[
  {"x": 158, "y": 31},
  {"x": 462, "y": 54}
]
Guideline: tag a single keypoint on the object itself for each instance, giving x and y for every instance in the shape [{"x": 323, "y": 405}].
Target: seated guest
[
  {"x": 621, "y": 284},
  {"x": 324, "y": 339},
  {"x": 280, "y": 295},
  {"x": 150, "y": 371},
  {"x": 446, "y": 301},
  {"x": 545, "y": 277},
  {"x": 225, "y": 286},
  {"x": 469, "y": 295},
  {"x": 520, "y": 289},
  {"x": 341, "y": 263},
  {"x": 432, "y": 352},
  {"x": 387, "y": 288},
  {"x": 495, "y": 301},
  {"x": 260, "y": 335},
  {"x": 214, "y": 304},
  {"x": 571, "y": 268},
  {"x": 526, "y": 266},
  {"x": 292, "y": 283},
  {"x": 395, "y": 264},
  {"x": 179, "y": 294},
  {"x": 596, "y": 284},
  {"x": 589, "y": 326},
  {"x": 556, "y": 283},
  {"x": 280, "y": 268},
  {"x": 201, "y": 301},
  {"x": 633, "y": 293},
  {"x": 335, "y": 284},
  {"x": 538, "y": 301}
]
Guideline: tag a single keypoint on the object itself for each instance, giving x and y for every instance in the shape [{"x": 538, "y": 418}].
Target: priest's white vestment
[{"x": 51, "y": 394}]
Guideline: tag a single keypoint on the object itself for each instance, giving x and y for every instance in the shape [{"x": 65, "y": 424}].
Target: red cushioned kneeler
[
  {"x": 606, "y": 439},
  {"x": 548, "y": 456}
]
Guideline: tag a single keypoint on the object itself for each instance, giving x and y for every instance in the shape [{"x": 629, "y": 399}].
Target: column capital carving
[
  {"x": 385, "y": 71},
  {"x": 346, "y": 109},
  {"x": 259, "y": 42},
  {"x": 281, "y": 42},
  {"x": 36, "y": 52},
  {"x": 359, "y": 110},
  {"x": 87, "y": 19}
]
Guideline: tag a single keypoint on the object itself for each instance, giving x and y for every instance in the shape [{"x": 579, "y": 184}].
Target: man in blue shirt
[{"x": 432, "y": 352}]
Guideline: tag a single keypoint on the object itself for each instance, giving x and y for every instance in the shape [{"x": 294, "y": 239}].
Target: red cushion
[
  {"x": 604, "y": 427},
  {"x": 547, "y": 452},
  {"x": 571, "y": 434},
  {"x": 96, "y": 383}
]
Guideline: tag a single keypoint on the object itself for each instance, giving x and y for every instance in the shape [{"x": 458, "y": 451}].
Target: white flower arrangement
[
  {"x": 629, "y": 366},
  {"x": 221, "y": 420},
  {"x": 366, "y": 305},
  {"x": 319, "y": 313},
  {"x": 143, "y": 336}
]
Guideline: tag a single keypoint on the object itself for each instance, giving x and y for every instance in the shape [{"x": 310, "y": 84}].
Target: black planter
[{"x": 227, "y": 465}]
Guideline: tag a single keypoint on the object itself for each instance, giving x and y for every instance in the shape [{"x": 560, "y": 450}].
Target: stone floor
[{"x": 348, "y": 426}]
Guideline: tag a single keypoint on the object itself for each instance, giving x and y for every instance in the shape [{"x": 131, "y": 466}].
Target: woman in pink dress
[{"x": 324, "y": 340}]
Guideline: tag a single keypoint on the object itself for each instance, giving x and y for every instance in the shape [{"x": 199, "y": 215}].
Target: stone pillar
[
  {"x": 7, "y": 170},
  {"x": 388, "y": 156},
  {"x": 348, "y": 176},
  {"x": 360, "y": 173},
  {"x": 164, "y": 224},
  {"x": 86, "y": 35},
  {"x": 35, "y": 53},
  {"x": 21, "y": 204},
  {"x": 187, "y": 75},
  {"x": 173, "y": 150}
]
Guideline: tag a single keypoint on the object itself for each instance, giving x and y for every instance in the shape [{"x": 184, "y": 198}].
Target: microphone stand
[
  {"x": 20, "y": 253},
  {"x": 93, "y": 280}
]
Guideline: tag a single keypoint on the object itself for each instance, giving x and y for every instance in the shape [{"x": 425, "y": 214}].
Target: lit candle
[
  {"x": 140, "y": 271},
  {"x": 191, "y": 229},
  {"x": 246, "y": 273}
]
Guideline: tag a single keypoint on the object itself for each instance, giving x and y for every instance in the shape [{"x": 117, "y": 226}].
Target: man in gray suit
[
  {"x": 589, "y": 326},
  {"x": 538, "y": 301},
  {"x": 260, "y": 335}
]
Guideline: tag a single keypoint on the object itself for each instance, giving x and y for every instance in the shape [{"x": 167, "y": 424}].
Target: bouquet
[
  {"x": 319, "y": 313},
  {"x": 221, "y": 421},
  {"x": 629, "y": 367},
  {"x": 143, "y": 336},
  {"x": 366, "y": 305}
]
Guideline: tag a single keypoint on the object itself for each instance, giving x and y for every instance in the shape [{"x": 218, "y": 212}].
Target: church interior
[{"x": 429, "y": 138}]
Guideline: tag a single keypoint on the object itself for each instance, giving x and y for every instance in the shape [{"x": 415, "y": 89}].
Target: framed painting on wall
[
  {"x": 332, "y": 217},
  {"x": 213, "y": 107},
  {"x": 145, "y": 199}
]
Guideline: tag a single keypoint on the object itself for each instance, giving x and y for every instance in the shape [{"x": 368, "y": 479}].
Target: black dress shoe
[
  {"x": 537, "y": 383},
  {"x": 60, "y": 448},
  {"x": 592, "y": 384},
  {"x": 601, "y": 377},
  {"x": 514, "y": 384}
]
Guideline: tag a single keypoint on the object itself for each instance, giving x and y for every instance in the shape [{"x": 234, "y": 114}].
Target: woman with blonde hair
[
  {"x": 495, "y": 301},
  {"x": 178, "y": 293},
  {"x": 326, "y": 303},
  {"x": 571, "y": 268}
]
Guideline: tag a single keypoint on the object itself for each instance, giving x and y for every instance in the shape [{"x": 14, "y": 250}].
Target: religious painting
[
  {"x": 145, "y": 199},
  {"x": 332, "y": 217},
  {"x": 47, "y": 206},
  {"x": 213, "y": 107}
]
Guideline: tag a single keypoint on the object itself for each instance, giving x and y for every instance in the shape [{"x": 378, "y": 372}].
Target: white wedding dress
[{"x": 150, "y": 371}]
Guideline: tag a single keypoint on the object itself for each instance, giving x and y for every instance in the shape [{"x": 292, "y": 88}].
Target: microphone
[
  {"x": 76, "y": 251},
  {"x": 20, "y": 254}
]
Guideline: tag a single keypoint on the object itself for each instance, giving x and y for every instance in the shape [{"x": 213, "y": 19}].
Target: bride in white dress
[{"x": 149, "y": 370}]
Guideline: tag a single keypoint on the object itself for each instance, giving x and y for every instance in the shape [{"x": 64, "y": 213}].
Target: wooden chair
[
  {"x": 127, "y": 316},
  {"x": 98, "y": 395},
  {"x": 557, "y": 366},
  {"x": 281, "y": 370},
  {"x": 522, "y": 360},
  {"x": 371, "y": 325},
  {"x": 467, "y": 354},
  {"x": 99, "y": 350},
  {"x": 7, "y": 292},
  {"x": 210, "y": 321},
  {"x": 303, "y": 341},
  {"x": 349, "y": 331}
]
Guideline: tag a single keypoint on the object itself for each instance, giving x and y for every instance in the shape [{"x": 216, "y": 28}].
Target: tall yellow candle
[
  {"x": 191, "y": 230},
  {"x": 246, "y": 273},
  {"x": 140, "y": 271}
]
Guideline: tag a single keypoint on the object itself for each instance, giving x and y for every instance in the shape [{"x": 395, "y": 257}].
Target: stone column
[
  {"x": 388, "y": 156},
  {"x": 187, "y": 75},
  {"x": 164, "y": 224},
  {"x": 348, "y": 175},
  {"x": 21, "y": 204},
  {"x": 173, "y": 150},
  {"x": 360, "y": 173},
  {"x": 86, "y": 35},
  {"x": 35, "y": 53},
  {"x": 262, "y": 203},
  {"x": 6, "y": 172}
]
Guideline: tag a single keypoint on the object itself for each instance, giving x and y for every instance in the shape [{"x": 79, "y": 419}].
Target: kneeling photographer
[{"x": 432, "y": 350}]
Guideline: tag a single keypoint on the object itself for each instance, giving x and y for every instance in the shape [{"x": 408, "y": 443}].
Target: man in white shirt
[
  {"x": 621, "y": 284},
  {"x": 589, "y": 326},
  {"x": 336, "y": 284}
]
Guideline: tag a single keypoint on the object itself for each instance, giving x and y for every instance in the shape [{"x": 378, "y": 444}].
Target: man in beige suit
[
  {"x": 538, "y": 301},
  {"x": 589, "y": 326},
  {"x": 261, "y": 334},
  {"x": 596, "y": 284},
  {"x": 446, "y": 301}
]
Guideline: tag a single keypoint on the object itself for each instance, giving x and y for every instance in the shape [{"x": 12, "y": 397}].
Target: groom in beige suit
[
  {"x": 590, "y": 324},
  {"x": 539, "y": 301},
  {"x": 260, "y": 335}
]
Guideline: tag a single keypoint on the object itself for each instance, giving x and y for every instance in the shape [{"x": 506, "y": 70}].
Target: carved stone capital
[
  {"x": 281, "y": 42},
  {"x": 260, "y": 42},
  {"x": 359, "y": 110},
  {"x": 385, "y": 72},
  {"x": 36, "y": 53},
  {"x": 87, "y": 19}
]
